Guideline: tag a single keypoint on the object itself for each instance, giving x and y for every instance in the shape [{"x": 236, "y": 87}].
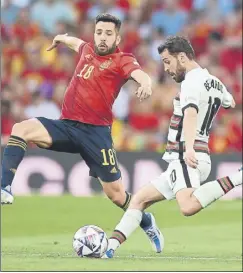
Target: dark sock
[
  {"x": 127, "y": 202},
  {"x": 146, "y": 220},
  {"x": 12, "y": 156}
]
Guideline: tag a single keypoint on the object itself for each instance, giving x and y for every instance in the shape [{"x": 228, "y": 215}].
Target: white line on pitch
[
  {"x": 55, "y": 255},
  {"x": 179, "y": 258}
]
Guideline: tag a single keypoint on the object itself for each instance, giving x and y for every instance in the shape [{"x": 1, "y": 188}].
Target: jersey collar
[{"x": 194, "y": 70}]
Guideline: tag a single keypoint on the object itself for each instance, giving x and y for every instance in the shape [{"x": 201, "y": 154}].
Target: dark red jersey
[{"x": 95, "y": 85}]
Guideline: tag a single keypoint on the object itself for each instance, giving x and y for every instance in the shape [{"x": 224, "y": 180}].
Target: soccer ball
[{"x": 90, "y": 241}]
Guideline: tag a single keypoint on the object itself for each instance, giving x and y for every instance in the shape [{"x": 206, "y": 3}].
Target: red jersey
[{"x": 96, "y": 83}]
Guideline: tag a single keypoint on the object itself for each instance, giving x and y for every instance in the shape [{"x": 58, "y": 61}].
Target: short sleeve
[
  {"x": 127, "y": 65},
  {"x": 80, "y": 50},
  {"x": 190, "y": 95},
  {"x": 227, "y": 98}
]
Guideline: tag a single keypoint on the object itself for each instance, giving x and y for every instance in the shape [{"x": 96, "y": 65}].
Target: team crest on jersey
[
  {"x": 105, "y": 64},
  {"x": 88, "y": 57}
]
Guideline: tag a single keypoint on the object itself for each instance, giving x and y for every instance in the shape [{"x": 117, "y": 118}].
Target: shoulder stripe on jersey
[
  {"x": 185, "y": 173},
  {"x": 189, "y": 105}
]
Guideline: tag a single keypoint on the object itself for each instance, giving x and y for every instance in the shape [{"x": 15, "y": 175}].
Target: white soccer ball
[{"x": 90, "y": 241}]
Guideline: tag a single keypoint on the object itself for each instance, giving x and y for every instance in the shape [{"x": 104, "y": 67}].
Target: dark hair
[
  {"x": 177, "y": 44},
  {"x": 106, "y": 17}
]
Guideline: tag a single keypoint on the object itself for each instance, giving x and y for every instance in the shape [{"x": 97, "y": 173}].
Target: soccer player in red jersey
[{"x": 85, "y": 124}]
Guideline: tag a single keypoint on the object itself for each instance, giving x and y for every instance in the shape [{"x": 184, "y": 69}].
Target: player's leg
[
  {"x": 22, "y": 133},
  {"x": 155, "y": 191},
  {"x": 116, "y": 192},
  {"x": 97, "y": 150},
  {"x": 48, "y": 134},
  {"x": 183, "y": 180},
  {"x": 98, "y": 153},
  {"x": 191, "y": 201}
]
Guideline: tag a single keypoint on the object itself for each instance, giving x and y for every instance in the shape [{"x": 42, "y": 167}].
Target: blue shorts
[{"x": 93, "y": 143}]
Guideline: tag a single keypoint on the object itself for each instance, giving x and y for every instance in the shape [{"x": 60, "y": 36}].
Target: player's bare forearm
[
  {"x": 142, "y": 78},
  {"x": 72, "y": 42},
  {"x": 190, "y": 127}
]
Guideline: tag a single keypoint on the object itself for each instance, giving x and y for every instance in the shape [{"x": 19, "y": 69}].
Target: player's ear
[
  {"x": 118, "y": 40},
  {"x": 182, "y": 57}
]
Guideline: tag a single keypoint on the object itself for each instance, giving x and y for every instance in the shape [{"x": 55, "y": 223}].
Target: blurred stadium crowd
[{"x": 34, "y": 80}]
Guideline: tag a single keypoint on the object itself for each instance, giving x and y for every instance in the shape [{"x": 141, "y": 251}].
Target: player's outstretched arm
[
  {"x": 189, "y": 101},
  {"x": 72, "y": 42},
  {"x": 190, "y": 130},
  {"x": 142, "y": 78}
]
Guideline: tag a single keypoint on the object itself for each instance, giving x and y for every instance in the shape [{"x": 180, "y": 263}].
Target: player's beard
[
  {"x": 109, "y": 50},
  {"x": 180, "y": 73}
]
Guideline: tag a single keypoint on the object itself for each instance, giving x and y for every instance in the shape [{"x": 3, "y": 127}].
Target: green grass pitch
[{"x": 37, "y": 236}]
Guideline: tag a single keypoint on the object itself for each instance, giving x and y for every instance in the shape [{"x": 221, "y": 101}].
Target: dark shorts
[{"x": 93, "y": 143}]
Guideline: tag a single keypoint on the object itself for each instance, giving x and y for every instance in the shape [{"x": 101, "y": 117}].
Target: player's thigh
[
  {"x": 60, "y": 133},
  {"x": 161, "y": 184},
  {"x": 188, "y": 179},
  {"x": 145, "y": 197},
  {"x": 32, "y": 130},
  {"x": 181, "y": 176},
  {"x": 99, "y": 154}
]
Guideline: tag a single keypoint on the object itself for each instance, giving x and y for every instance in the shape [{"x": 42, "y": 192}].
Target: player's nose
[{"x": 103, "y": 38}]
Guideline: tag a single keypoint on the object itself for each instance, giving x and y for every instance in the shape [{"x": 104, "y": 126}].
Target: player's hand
[
  {"x": 143, "y": 92},
  {"x": 56, "y": 41},
  {"x": 190, "y": 158},
  {"x": 233, "y": 103}
]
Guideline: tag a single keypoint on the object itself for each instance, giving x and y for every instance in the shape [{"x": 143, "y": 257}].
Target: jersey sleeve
[
  {"x": 80, "y": 50},
  {"x": 127, "y": 65},
  {"x": 190, "y": 95},
  {"x": 227, "y": 98}
]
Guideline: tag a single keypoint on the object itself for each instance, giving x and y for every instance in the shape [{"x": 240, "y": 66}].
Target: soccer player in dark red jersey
[{"x": 85, "y": 124}]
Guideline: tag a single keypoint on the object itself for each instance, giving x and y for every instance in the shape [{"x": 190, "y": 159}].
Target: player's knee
[
  {"x": 25, "y": 129},
  {"x": 117, "y": 198},
  {"x": 137, "y": 202},
  {"x": 187, "y": 210},
  {"x": 20, "y": 130}
]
